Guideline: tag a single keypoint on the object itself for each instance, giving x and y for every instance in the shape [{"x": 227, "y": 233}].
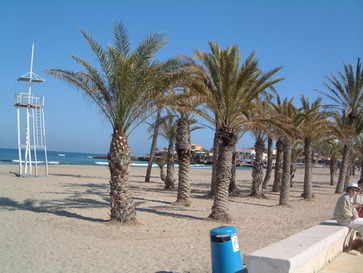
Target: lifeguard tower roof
[{"x": 30, "y": 76}]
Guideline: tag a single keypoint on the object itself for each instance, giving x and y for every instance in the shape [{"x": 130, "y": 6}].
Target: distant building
[
  {"x": 199, "y": 154},
  {"x": 248, "y": 154},
  {"x": 196, "y": 147}
]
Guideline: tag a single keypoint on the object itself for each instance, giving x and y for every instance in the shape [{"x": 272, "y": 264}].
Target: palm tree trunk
[
  {"x": 170, "y": 177},
  {"x": 347, "y": 175},
  {"x": 308, "y": 189},
  {"x": 313, "y": 158},
  {"x": 184, "y": 152},
  {"x": 227, "y": 139},
  {"x": 233, "y": 184},
  {"x": 257, "y": 171},
  {"x": 343, "y": 170},
  {"x": 292, "y": 171},
  {"x": 269, "y": 163},
  {"x": 278, "y": 167},
  {"x": 122, "y": 205},
  {"x": 153, "y": 145},
  {"x": 214, "y": 164},
  {"x": 162, "y": 173},
  {"x": 285, "y": 187},
  {"x": 333, "y": 170}
]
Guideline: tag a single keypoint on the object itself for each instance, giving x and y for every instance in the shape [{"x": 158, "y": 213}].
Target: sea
[{"x": 10, "y": 156}]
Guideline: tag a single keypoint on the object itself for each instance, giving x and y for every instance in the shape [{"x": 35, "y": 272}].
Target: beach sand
[{"x": 60, "y": 223}]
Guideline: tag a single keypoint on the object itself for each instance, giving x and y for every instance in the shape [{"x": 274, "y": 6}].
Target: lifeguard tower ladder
[{"x": 33, "y": 109}]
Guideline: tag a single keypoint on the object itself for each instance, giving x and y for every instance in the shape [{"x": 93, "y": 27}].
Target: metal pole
[
  {"x": 19, "y": 142},
  {"x": 27, "y": 112},
  {"x": 31, "y": 69},
  {"x": 28, "y": 155},
  {"x": 45, "y": 142},
  {"x": 34, "y": 143}
]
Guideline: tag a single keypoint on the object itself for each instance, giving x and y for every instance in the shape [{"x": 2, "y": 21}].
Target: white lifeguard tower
[{"x": 32, "y": 109}]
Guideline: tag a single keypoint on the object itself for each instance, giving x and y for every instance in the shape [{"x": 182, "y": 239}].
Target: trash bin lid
[{"x": 223, "y": 231}]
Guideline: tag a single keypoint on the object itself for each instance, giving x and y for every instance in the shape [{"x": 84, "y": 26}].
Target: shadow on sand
[
  {"x": 56, "y": 207},
  {"x": 91, "y": 195}
]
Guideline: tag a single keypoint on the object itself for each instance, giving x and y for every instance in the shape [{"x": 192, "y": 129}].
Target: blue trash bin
[{"x": 225, "y": 254}]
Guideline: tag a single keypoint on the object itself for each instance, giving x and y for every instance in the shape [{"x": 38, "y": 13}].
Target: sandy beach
[{"x": 60, "y": 223}]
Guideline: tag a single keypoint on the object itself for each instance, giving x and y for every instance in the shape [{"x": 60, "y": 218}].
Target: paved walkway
[{"x": 345, "y": 263}]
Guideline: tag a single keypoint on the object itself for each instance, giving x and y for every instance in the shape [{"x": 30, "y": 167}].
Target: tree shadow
[
  {"x": 77, "y": 175},
  {"x": 253, "y": 204},
  {"x": 56, "y": 207},
  {"x": 143, "y": 176},
  {"x": 77, "y": 200},
  {"x": 152, "y": 200},
  {"x": 171, "y": 214}
]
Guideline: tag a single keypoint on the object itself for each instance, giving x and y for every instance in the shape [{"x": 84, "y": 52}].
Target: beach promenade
[{"x": 60, "y": 223}]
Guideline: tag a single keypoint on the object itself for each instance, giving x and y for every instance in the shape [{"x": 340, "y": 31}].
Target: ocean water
[{"x": 10, "y": 156}]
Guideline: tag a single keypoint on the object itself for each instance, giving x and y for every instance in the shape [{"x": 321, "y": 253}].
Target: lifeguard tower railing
[{"x": 35, "y": 138}]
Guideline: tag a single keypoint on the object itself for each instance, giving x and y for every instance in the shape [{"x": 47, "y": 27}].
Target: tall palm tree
[
  {"x": 161, "y": 161},
  {"x": 346, "y": 131},
  {"x": 257, "y": 171},
  {"x": 168, "y": 129},
  {"x": 214, "y": 161},
  {"x": 278, "y": 166},
  {"x": 227, "y": 89},
  {"x": 182, "y": 103},
  {"x": 259, "y": 130},
  {"x": 314, "y": 125},
  {"x": 285, "y": 118},
  {"x": 184, "y": 151},
  {"x": 346, "y": 91},
  {"x": 185, "y": 125},
  {"x": 153, "y": 144},
  {"x": 296, "y": 151},
  {"x": 333, "y": 155},
  {"x": 331, "y": 148},
  {"x": 359, "y": 150},
  {"x": 233, "y": 189},
  {"x": 123, "y": 87},
  {"x": 233, "y": 183},
  {"x": 269, "y": 163}
]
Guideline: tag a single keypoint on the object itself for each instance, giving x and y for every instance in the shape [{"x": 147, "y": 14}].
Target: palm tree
[
  {"x": 333, "y": 155},
  {"x": 184, "y": 151},
  {"x": 331, "y": 148},
  {"x": 153, "y": 144},
  {"x": 214, "y": 162},
  {"x": 257, "y": 171},
  {"x": 296, "y": 151},
  {"x": 161, "y": 160},
  {"x": 182, "y": 103},
  {"x": 233, "y": 183},
  {"x": 359, "y": 150},
  {"x": 227, "y": 90},
  {"x": 260, "y": 130},
  {"x": 346, "y": 131},
  {"x": 278, "y": 166},
  {"x": 185, "y": 125},
  {"x": 233, "y": 189},
  {"x": 168, "y": 126},
  {"x": 346, "y": 91},
  {"x": 285, "y": 118},
  {"x": 123, "y": 87},
  {"x": 269, "y": 163},
  {"x": 314, "y": 125}
]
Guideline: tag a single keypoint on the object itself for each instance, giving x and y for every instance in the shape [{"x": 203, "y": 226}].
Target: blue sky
[{"x": 310, "y": 39}]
